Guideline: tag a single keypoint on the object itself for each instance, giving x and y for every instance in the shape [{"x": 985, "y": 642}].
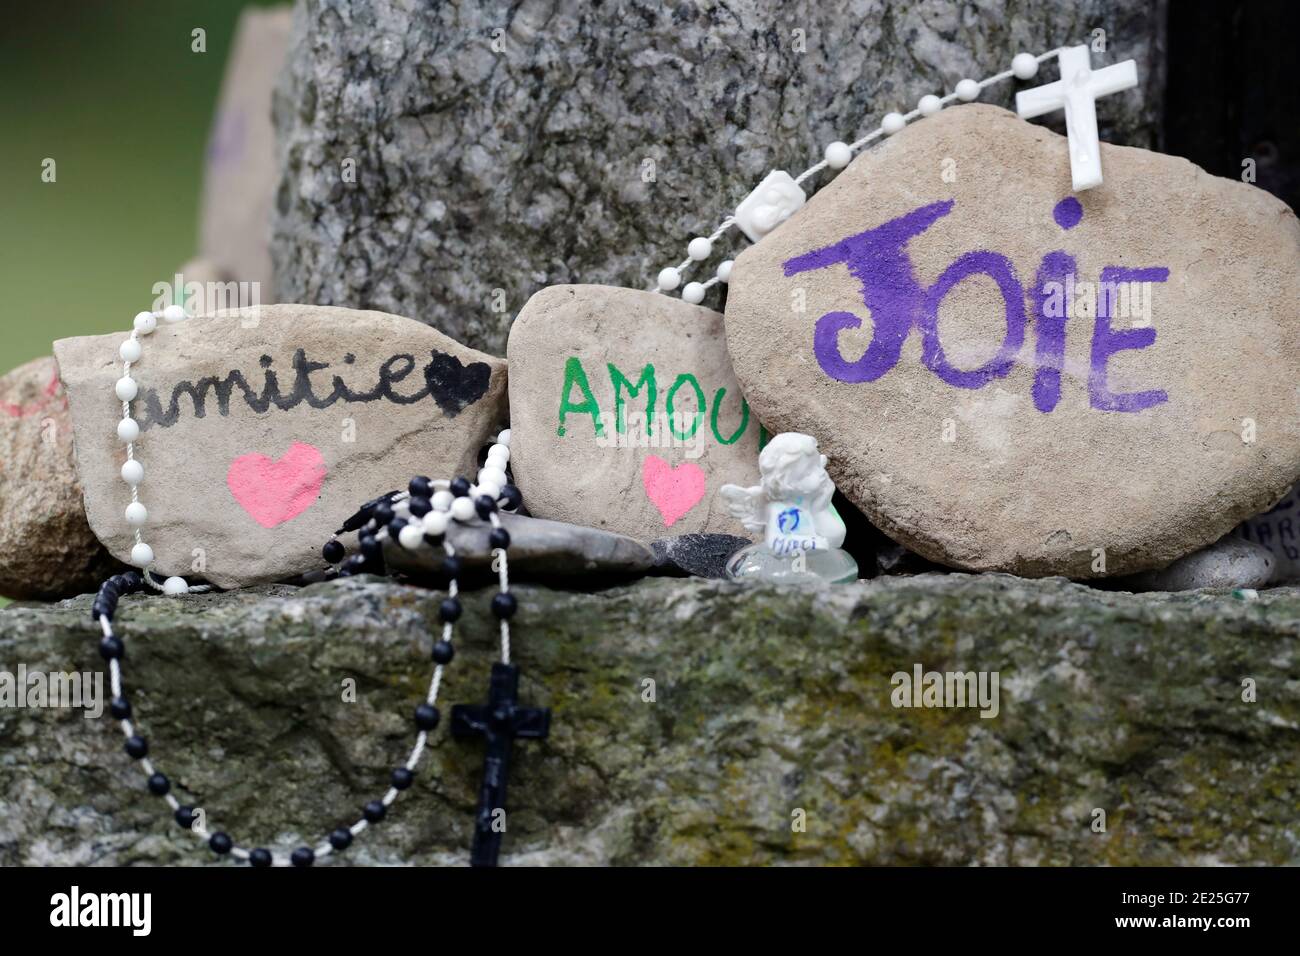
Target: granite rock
[
  {"x": 446, "y": 162},
  {"x": 766, "y": 701},
  {"x": 698, "y": 555},
  {"x": 264, "y": 429},
  {"x": 999, "y": 410},
  {"x": 47, "y": 549},
  {"x": 625, "y": 413}
]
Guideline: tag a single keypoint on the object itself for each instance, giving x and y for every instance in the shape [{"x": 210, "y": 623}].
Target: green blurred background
[{"x": 113, "y": 93}]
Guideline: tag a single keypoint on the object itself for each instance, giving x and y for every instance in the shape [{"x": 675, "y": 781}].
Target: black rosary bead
[
  {"x": 371, "y": 547},
  {"x": 137, "y": 747},
  {"x": 402, "y": 778},
  {"x": 510, "y": 498},
  {"x": 353, "y": 565},
  {"x": 221, "y": 843},
  {"x": 185, "y": 817},
  {"x": 159, "y": 785},
  {"x": 420, "y": 487},
  {"x": 101, "y": 608},
  {"x": 111, "y": 648},
  {"x": 374, "y": 811},
  {"x": 383, "y": 513},
  {"x": 259, "y": 858},
  {"x": 341, "y": 838},
  {"x": 504, "y": 606},
  {"x": 426, "y": 716},
  {"x": 499, "y": 538},
  {"x": 395, "y": 528},
  {"x": 303, "y": 856},
  {"x": 451, "y": 566},
  {"x": 449, "y": 610},
  {"x": 485, "y": 506},
  {"x": 460, "y": 487},
  {"x": 333, "y": 552},
  {"x": 420, "y": 506},
  {"x": 443, "y": 652},
  {"x": 133, "y": 581},
  {"x": 433, "y": 540},
  {"x": 120, "y": 708}
]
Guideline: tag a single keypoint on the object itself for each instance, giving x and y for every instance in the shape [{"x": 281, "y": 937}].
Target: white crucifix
[{"x": 1076, "y": 92}]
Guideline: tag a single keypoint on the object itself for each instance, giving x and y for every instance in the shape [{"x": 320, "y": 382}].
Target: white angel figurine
[{"x": 791, "y": 505}]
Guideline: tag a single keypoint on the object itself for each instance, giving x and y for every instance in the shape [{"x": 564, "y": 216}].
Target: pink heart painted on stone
[
  {"x": 273, "y": 492},
  {"x": 674, "y": 491}
]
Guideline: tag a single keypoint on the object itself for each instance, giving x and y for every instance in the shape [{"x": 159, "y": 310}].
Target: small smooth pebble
[
  {"x": 1024, "y": 66},
  {"x": 174, "y": 587}
]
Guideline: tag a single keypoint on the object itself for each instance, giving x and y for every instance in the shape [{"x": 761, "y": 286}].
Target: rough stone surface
[
  {"x": 766, "y": 701},
  {"x": 539, "y": 549},
  {"x": 361, "y": 402},
  {"x": 625, "y": 413},
  {"x": 240, "y": 171},
  {"x": 564, "y": 157},
  {"x": 1230, "y": 563},
  {"x": 941, "y": 430},
  {"x": 700, "y": 555},
  {"x": 1278, "y": 529},
  {"x": 47, "y": 549}
]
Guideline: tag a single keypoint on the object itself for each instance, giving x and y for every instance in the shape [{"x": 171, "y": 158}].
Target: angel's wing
[{"x": 746, "y": 505}]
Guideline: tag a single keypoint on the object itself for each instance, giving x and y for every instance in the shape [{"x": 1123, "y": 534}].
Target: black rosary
[{"x": 415, "y": 519}]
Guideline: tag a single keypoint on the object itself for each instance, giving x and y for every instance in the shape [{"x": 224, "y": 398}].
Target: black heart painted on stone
[{"x": 455, "y": 386}]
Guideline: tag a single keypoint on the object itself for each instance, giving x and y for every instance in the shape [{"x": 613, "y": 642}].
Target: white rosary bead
[
  {"x": 126, "y": 388},
  {"x": 130, "y": 350},
  {"x": 442, "y": 500},
  {"x": 488, "y": 488},
  {"x": 499, "y": 452},
  {"x": 1024, "y": 66},
  {"x": 504, "y": 437},
  {"x": 128, "y": 430},
  {"x": 132, "y": 472},
  {"x": 669, "y": 279},
  {"x": 435, "y": 522},
  {"x": 893, "y": 123},
  {"x": 411, "y": 537},
  {"x": 700, "y": 248},
  {"x": 968, "y": 90},
  {"x": 174, "y": 587},
  {"x": 142, "y": 555},
  {"x": 492, "y": 476},
  {"x": 724, "y": 270},
  {"x": 145, "y": 322},
  {"x": 929, "y": 104},
  {"x": 693, "y": 293},
  {"x": 462, "y": 509},
  {"x": 136, "y": 514},
  {"x": 838, "y": 155},
  {"x": 174, "y": 313}
]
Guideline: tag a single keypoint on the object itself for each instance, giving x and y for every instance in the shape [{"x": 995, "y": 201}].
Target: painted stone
[
  {"x": 1008, "y": 377},
  {"x": 625, "y": 414},
  {"x": 264, "y": 429},
  {"x": 47, "y": 546},
  {"x": 1278, "y": 530}
]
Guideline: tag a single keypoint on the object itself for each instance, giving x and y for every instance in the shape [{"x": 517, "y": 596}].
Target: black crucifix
[{"x": 500, "y": 720}]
